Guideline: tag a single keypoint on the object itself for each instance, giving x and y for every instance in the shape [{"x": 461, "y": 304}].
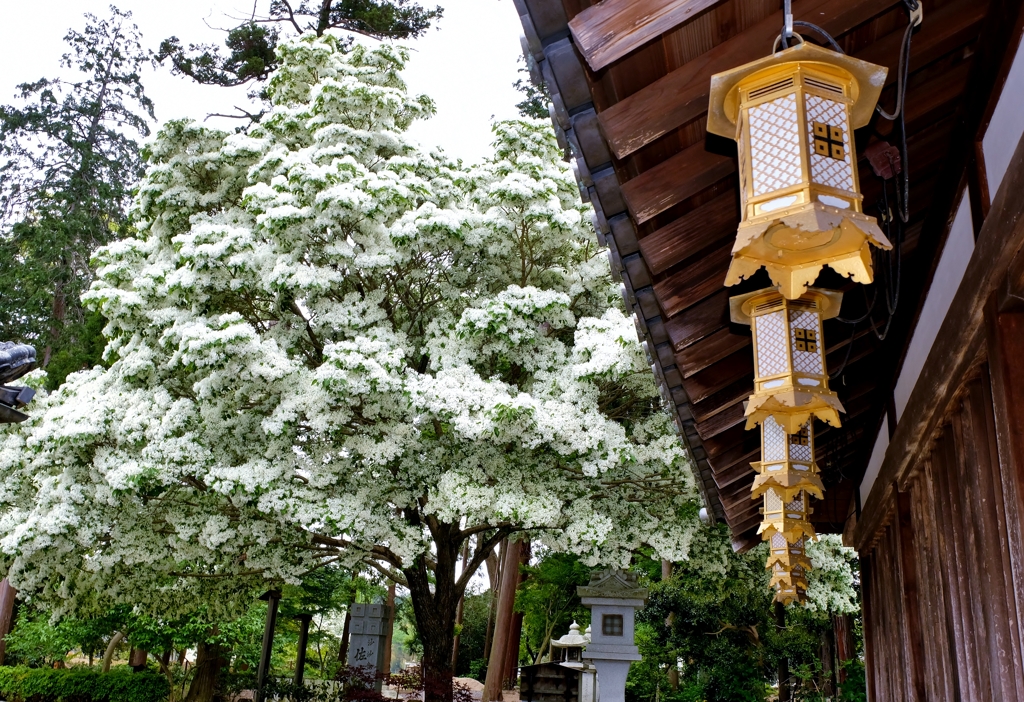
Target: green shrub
[{"x": 81, "y": 685}]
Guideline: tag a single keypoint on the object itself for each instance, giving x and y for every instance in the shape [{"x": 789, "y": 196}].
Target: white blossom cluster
[{"x": 326, "y": 344}]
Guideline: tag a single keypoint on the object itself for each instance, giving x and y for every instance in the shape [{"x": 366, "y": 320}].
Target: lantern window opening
[{"x": 611, "y": 625}]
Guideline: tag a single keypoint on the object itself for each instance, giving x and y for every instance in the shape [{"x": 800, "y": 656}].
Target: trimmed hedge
[{"x": 81, "y": 685}]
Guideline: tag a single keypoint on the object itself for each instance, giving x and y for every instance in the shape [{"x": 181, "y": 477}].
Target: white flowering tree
[{"x": 328, "y": 346}]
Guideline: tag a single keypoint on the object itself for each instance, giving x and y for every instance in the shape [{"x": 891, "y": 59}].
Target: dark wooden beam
[
  {"x": 670, "y": 182},
  {"x": 692, "y": 232},
  {"x": 700, "y": 320},
  {"x": 711, "y": 349},
  {"x": 695, "y": 282},
  {"x": 609, "y": 30},
  {"x": 682, "y": 96}
]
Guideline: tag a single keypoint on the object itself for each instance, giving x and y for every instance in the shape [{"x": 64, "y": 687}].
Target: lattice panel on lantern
[
  {"x": 771, "y": 344},
  {"x": 772, "y": 502},
  {"x": 807, "y": 351},
  {"x": 825, "y": 169},
  {"x": 800, "y": 448},
  {"x": 774, "y": 145},
  {"x": 773, "y": 438},
  {"x": 779, "y": 542},
  {"x": 796, "y": 505}
]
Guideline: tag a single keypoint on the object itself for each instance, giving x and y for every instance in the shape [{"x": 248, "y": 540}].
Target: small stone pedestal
[{"x": 613, "y": 597}]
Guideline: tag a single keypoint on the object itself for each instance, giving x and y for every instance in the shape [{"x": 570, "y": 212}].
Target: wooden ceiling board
[{"x": 682, "y": 96}]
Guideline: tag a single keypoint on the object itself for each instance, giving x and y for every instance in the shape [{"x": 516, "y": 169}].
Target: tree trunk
[
  {"x": 137, "y": 659},
  {"x": 458, "y": 611},
  {"x": 207, "y": 675},
  {"x": 673, "y": 668},
  {"x": 828, "y": 673},
  {"x": 108, "y": 655},
  {"x": 494, "y": 576},
  {"x": 386, "y": 667},
  {"x": 343, "y": 649},
  {"x": 510, "y": 672},
  {"x": 7, "y": 597},
  {"x": 846, "y": 648},
  {"x": 502, "y": 622},
  {"x": 780, "y": 623}
]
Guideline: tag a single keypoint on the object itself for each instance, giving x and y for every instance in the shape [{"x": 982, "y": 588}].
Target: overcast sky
[{"x": 467, "y": 64}]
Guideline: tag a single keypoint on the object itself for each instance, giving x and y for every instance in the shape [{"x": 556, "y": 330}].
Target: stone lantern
[
  {"x": 613, "y": 596},
  {"x": 568, "y": 651},
  {"x": 792, "y": 115},
  {"x": 790, "y": 378}
]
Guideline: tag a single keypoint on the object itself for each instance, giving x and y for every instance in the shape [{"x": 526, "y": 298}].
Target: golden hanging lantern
[
  {"x": 792, "y": 115},
  {"x": 789, "y": 564},
  {"x": 790, "y": 379},
  {"x": 786, "y": 517},
  {"x": 787, "y": 462}
]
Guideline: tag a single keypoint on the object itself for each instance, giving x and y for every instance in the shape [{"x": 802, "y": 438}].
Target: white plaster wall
[
  {"x": 950, "y": 271},
  {"x": 952, "y": 265},
  {"x": 1006, "y": 126},
  {"x": 875, "y": 462}
]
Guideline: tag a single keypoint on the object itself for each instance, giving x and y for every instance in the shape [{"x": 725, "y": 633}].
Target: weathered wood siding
[{"x": 941, "y": 588}]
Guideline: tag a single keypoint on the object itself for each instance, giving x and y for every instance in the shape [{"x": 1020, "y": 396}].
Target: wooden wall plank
[
  {"x": 1001, "y": 237},
  {"x": 682, "y": 95},
  {"x": 609, "y": 30},
  {"x": 907, "y": 546},
  {"x": 1005, "y": 344}
]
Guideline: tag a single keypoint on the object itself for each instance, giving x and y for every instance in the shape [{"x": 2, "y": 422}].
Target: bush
[{"x": 81, "y": 685}]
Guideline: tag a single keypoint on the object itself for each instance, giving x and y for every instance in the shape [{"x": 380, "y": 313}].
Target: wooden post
[
  {"x": 502, "y": 622},
  {"x": 300, "y": 656},
  {"x": 7, "y": 597},
  {"x": 272, "y": 597},
  {"x": 137, "y": 659},
  {"x": 385, "y": 668}
]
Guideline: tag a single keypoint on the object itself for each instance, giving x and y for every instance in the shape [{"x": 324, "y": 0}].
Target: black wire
[
  {"x": 822, "y": 32},
  {"x": 849, "y": 347}
]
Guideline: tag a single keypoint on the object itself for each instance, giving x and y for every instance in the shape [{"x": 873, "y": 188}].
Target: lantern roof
[
  {"x": 866, "y": 79},
  {"x": 573, "y": 639},
  {"x": 740, "y": 306}
]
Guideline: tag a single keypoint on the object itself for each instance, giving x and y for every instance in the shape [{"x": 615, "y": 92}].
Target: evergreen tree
[
  {"x": 252, "y": 45},
  {"x": 69, "y": 160}
]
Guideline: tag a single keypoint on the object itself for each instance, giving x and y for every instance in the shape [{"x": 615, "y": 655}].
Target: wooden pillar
[
  {"x": 502, "y": 622},
  {"x": 272, "y": 598},
  {"x": 300, "y": 656},
  {"x": 869, "y": 623},
  {"x": 386, "y": 665},
  {"x": 7, "y": 597}
]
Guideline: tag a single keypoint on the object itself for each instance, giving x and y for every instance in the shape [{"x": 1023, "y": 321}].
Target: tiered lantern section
[
  {"x": 790, "y": 382},
  {"x": 792, "y": 115}
]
